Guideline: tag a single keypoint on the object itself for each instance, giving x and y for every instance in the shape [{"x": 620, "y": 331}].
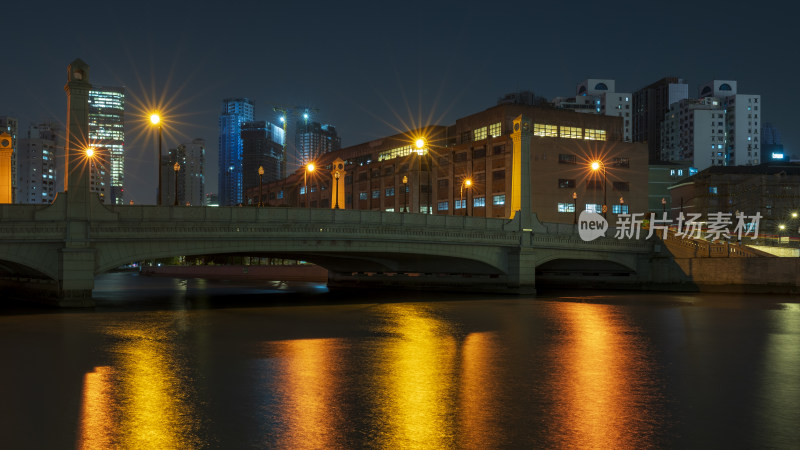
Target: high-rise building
[
  {"x": 650, "y": 106},
  {"x": 599, "y": 96},
  {"x": 191, "y": 178},
  {"x": 107, "y": 130},
  {"x": 262, "y": 146},
  {"x": 10, "y": 125},
  {"x": 771, "y": 145},
  {"x": 742, "y": 121},
  {"x": 36, "y": 163},
  {"x": 313, "y": 139},
  {"x": 235, "y": 112},
  {"x": 100, "y": 173}
]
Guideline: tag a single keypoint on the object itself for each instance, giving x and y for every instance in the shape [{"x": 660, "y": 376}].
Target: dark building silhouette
[
  {"x": 650, "y": 104},
  {"x": 262, "y": 143}
]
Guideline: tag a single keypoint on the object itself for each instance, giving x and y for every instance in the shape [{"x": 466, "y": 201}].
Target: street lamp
[
  {"x": 260, "y": 184},
  {"x": 663, "y": 205},
  {"x": 176, "y": 168},
  {"x": 336, "y": 189},
  {"x": 598, "y": 165},
  {"x": 405, "y": 193},
  {"x": 309, "y": 169},
  {"x": 466, "y": 183},
  {"x": 155, "y": 119},
  {"x": 420, "y": 143},
  {"x": 575, "y": 207}
]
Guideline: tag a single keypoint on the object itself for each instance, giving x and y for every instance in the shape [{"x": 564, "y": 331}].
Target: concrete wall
[{"x": 753, "y": 275}]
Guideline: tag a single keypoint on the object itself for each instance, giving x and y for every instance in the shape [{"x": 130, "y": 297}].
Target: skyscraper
[
  {"x": 235, "y": 112},
  {"x": 263, "y": 143},
  {"x": 191, "y": 179},
  {"x": 36, "y": 161},
  {"x": 100, "y": 173},
  {"x": 650, "y": 105},
  {"x": 313, "y": 139},
  {"x": 107, "y": 130}
]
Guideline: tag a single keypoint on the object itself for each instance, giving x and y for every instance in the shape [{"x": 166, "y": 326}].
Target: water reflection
[
  {"x": 480, "y": 404},
  {"x": 307, "y": 409},
  {"x": 146, "y": 401},
  {"x": 605, "y": 387},
  {"x": 415, "y": 382}
]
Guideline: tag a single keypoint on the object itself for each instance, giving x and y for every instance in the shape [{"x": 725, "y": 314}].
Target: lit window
[
  {"x": 480, "y": 133},
  {"x": 499, "y": 200},
  {"x": 566, "y": 207},
  {"x": 460, "y": 204},
  {"x": 376, "y": 194},
  {"x": 571, "y": 132},
  {"x": 443, "y": 206},
  {"x": 495, "y": 130},
  {"x": 390, "y": 192},
  {"x": 302, "y": 190},
  {"x": 594, "y": 135},
  {"x": 594, "y": 207},
  {"x": 545, "y": 130},
  {"x": 619, "y": 209},
  {"x": 362, "y": 196},
  {"x": 479, "y": 202}
]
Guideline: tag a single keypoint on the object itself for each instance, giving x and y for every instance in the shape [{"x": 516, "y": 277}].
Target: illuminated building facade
[
  {"x": 743, "y": 115},
  {"x": 392, "y": 174},
  {"x": 36, "y": 175},
  {"x": 262, "y": 146},
  {"x": 100, "y": 173},
  {"x": 191, "y": 179},
  {"x": 650, "y": 106},
  {"x": 599, "y": 96},
  {"x": 235, "y": 112},
  {"x": 107, "y": 130},
  {"x": 10, "y": 125},
  {"x": 313, "y": 139}
]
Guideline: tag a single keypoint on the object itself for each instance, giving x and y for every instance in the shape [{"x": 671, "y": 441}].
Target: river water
[{"x": 169, "y": 363}]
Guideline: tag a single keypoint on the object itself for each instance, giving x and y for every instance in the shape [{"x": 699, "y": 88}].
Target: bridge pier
[
  {"x": 522, "y": 271},
  {"x": 75, "y": 277}
]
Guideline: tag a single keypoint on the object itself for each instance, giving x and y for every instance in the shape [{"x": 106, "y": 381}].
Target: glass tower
[
  {"x": 235, "y": 112},
  {"x": 107, "y": 130}
]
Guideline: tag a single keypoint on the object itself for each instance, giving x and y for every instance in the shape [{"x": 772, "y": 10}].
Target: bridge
[{"x": 59, "y": 248}]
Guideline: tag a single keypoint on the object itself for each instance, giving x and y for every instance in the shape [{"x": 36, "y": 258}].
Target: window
[
  {"x": 480, "y": 133},
  {"x": 621, "y": 162},
  {"x": 571, "y": 132},
  {"x": 479, "y": 202},
  {"x": 460, "y": 157},
  {"x": 479, "y": 153},
  {"x": 540, "y": 129},
  {"x": 443, "y": 184},
  {"x": 376, "y": 194},
  {"x": 622, "y": 186},
  {"x": 499, "y": 175},
  {"x": 499, "y": 200},
  {"x": 460, "y": 204},
  {"x": 564, "y": 158},
  {"x": 596, "y": 184},
  {"x": 302, "y": 190},
  {"x": 595, "y": 135},
  {"x": 712, "y": 190},
  {"x": 389, "y": 192},
  {"x": 443, "y": 206},
  {"x": 498, "y": 149},
  {"x": 564, "y": 183},
  {"x": 362, "y": 195},
  {"x": 280, "y": 194},
  {"x": 619, "y": 209},
  {"x": 566, "y": 207},
  {"x": 495, "y": 130},
  {"x": 594, "y": 207}
]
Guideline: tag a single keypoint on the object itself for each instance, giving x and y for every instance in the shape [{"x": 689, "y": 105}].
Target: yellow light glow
[
  {"x": 90, "y": 152},
  {"x": 310, "y": 167},
  {"x": 794, "y": 215},
  {"x": 420, "y": 143},
  {"x": 595, "y": 165},
  {"x": 782, "y": 227},
  {"x": 155, "y": 119},
  {"x": 468, "y": 182}
]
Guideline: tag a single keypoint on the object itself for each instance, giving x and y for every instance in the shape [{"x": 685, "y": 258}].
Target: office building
[
  {"x": 10, "y": 125},
  {"x": 771, "y": 145},
  {"x": 235, "y": 112},
  {"x": 100, "y": 173},
  {"x": 693, "y": 131},
  {"x": 107, "y": 130},
  {"x": 599, "y": 96},
  {"x": 262, "y": 146},
  {"x": 393, "y": 174},
  {"x": 742, "y": 121},
  {"x": 650, "y": 106},
  {"x": 191, "y": 178},
  {"x": 36, "y": 164},
  {"x": 312, "y": 140}
]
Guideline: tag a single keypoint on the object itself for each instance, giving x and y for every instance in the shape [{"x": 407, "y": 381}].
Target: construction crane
[{"x": 285, "y": 111}]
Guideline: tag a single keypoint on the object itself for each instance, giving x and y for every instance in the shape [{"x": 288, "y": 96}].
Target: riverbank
[{"x": 303, "y": 272}]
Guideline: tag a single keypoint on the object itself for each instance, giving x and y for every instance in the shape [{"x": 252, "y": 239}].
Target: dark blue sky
[{"x": 374, "y": 69}]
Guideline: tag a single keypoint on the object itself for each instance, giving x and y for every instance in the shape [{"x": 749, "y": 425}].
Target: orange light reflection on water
[
  {"x": 416, "y": 386},
  {"x": 602, "y": 381},
  {"x": 97, "y": 426},
  {"x": 480, "y": 406}
]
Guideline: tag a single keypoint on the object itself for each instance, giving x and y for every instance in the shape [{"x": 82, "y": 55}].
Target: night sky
[{"x": 376, "y": 68}]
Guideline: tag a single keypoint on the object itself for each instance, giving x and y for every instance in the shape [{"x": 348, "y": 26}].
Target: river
[{"x": 173, "y": 363}]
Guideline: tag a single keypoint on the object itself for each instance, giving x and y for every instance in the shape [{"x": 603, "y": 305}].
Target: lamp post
[
  {"x": 600, "y": 165},
  {"x": 468, "y": 183},
  {"x": 575, "y": 208},
  {"x": 420, "y": 144},
  {"x": 176, "y": 168},
  {"x": 155, "y": 119},
  {"x": 336, "y": 189},
  {"x": 405, "y": 193},
  {"x": 260, "y": 184},
  {"x": 663, "y": 205},
  {"x": 309, "y": 168}
]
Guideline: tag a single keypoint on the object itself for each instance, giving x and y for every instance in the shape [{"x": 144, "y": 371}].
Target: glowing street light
[
  {"x": 596, "y": 166},
  {"x": 466, "y": 183},
  {"x": 405, "y": 193},
  {"x": 260, "y": 183},
  {"x": 155, "y": 119},
  {"x": 575, "y": 207},
  {"x": 90, "y": 152},
  {"x": 309, "y": 169}
]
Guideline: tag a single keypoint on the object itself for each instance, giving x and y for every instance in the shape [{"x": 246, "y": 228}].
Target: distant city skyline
[{"x": 406, "y": 66}]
